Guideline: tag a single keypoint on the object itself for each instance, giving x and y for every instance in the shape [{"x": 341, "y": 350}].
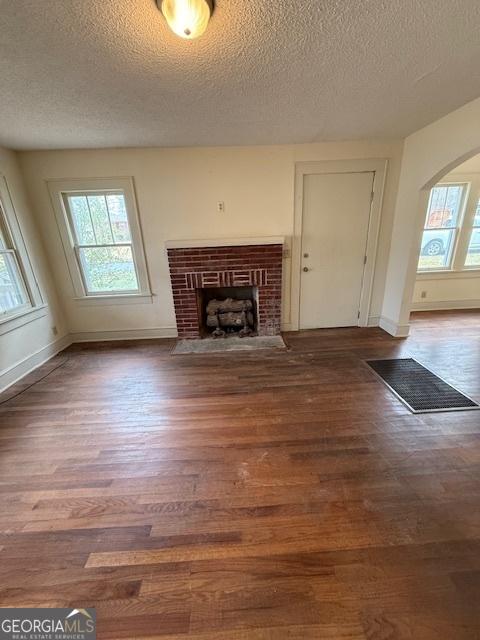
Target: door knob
[{"x": 305, "y": 269}]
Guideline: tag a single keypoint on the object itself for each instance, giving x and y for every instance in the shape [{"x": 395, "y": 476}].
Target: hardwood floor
[{"x": 288, "y": 496}]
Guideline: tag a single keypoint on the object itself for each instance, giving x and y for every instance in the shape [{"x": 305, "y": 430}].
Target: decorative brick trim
[
  {"x": 237, "y": 278},
  {"x": 255, "y": 265}
]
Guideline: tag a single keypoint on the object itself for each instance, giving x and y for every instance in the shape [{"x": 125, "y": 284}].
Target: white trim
[
  {"x": 57, "y": 189},
  {"x": 223, "y": 242},
  {"x": 17, "y": 371},
  {"x": 106, "y": 301},
  {"x": 444, "y": 305},
  {"x": 394, "y": 329},
  {"x": 378, "y": 166},
  {"x": 124, "y": 334},
  {"x": 373, "y": 321},
  {"x": 10, "y": 323},
  {"x": 449, "y": 275}
]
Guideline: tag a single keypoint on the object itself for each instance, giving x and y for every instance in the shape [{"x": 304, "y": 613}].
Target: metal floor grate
[{"x": 420, "y": 389}]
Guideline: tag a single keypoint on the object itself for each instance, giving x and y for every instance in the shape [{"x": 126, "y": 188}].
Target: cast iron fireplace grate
[{"x": 418, "y": 388}]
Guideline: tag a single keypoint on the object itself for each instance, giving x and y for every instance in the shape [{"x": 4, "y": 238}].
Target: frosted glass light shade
[{"x": 187, "y": 18}]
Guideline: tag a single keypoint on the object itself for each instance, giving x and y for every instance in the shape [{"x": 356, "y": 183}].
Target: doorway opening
[{"x": 448, "y": 268}]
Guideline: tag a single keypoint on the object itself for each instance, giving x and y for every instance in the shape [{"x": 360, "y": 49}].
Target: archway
[
  {"x": 448, "y": 266},
  {"x": 429, "y": 154}
]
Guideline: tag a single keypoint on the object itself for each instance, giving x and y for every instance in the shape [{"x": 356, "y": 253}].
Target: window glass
[
  {"x": 101, "y": 221},
  {"x": 476, "y": 220},
  {"x": 81, "y": 219},
  {"x": 3, "y": 240},
  {"x": 118, "y": 218},
  {"x": 108, "y": 269},
  {"x": 12, "y": 290},
  {"x": 473, "y": 253}
]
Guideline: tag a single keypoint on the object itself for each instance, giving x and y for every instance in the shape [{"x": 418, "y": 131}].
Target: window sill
[
  {"x": 448, "y": 275},
  {"x": 10, "y": 323},
  {"x": 107, "y": 301}
]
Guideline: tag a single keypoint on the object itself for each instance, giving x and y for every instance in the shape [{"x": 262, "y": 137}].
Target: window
[
  {"x": 103, "y": 243},
  {"x": 101, "y": 235},
  {"x": 473, "y": 252},
  {"x": 442, "y": 226},
  {"x": 13, "y": 292}
]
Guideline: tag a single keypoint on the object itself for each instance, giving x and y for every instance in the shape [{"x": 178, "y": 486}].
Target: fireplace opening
[{"x": 227, "y": 311}]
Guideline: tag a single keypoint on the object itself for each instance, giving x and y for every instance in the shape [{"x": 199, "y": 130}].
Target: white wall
[
  {"x": 177, "y": 191},
  {"x": 446, "y": 293},
  {"x": 460, "y": 290},
  {"x": 428, "y": 155},
  {"x": 30, "y": 344}
]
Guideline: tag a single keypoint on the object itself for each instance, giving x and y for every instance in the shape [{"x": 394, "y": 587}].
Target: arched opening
[
  {"x": 446, "y": 253},
  {"x": 450, "y": 167},
  {"x": 429, "y": 154}
]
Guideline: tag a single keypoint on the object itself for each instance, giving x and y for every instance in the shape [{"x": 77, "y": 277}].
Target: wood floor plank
[{"x": 288, "y": 497}]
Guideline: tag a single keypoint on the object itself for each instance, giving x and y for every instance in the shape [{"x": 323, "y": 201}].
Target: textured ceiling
[{"x": 98, "y": 73}]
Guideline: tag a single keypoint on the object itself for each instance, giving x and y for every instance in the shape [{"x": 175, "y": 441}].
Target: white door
[{"x": 336, "y": 216}]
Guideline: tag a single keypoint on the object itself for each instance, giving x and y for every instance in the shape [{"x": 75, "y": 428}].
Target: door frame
[{"x": 378, "y": 166}]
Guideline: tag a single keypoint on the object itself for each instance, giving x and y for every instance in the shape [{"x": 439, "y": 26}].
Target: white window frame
[
  {"x": 16, "y": 247},
  {"x": 457, "y": 229},
  {"x": 59, "y": 189},
  {"x": 458, "y": 268}
]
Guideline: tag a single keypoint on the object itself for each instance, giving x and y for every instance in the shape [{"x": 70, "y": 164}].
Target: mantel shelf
[{"x": 223, "y": 242}]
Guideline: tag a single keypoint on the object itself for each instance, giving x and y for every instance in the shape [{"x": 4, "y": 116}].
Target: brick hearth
[{"x": 237, "y": 266}]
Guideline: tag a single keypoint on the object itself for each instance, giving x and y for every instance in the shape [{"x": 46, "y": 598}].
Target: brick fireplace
[{"x": 200, "y": 265}]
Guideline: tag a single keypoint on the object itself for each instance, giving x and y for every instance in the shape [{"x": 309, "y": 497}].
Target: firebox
[{"x": 226, "y": 311}]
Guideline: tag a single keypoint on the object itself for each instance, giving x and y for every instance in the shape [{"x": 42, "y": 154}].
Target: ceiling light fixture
[{"x": 187, "y": 18}]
